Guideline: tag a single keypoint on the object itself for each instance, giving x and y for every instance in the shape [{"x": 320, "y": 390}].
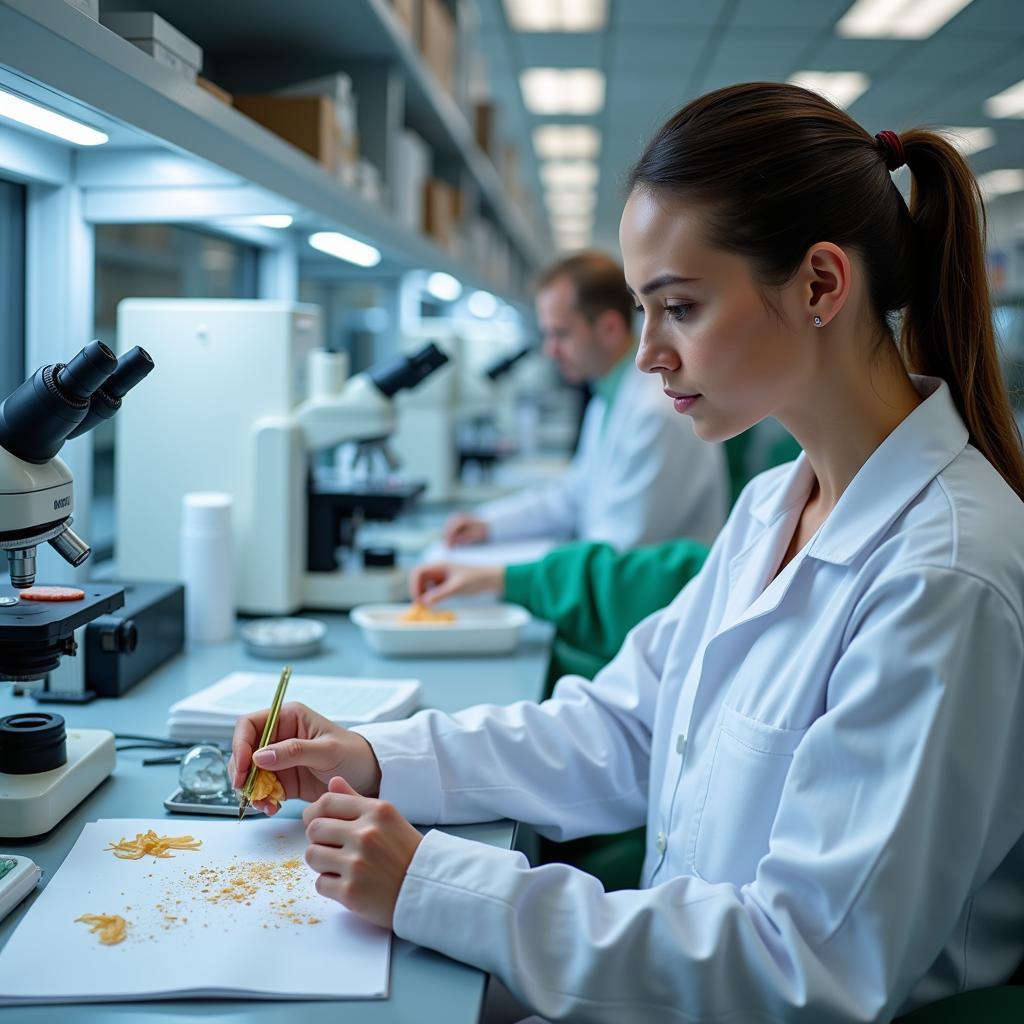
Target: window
[
  {"x": 12, "y": 287},
  {"x": 153, "y": 261}
]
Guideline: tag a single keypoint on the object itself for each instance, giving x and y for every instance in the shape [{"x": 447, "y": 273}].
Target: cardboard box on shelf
[
  {"x": 308, "y": 122},
  {"x": 437, "y": 42},
  {"x": 337, "y": 88},
  {"x": 408, "y": 15},
  {"x": 140, "y": 27},
  {"x": 485, "y": 125},
  {"x": 90, "y": 8},
  {"x": 211, "y": 87},
  {"x": 439, "y": 211}
]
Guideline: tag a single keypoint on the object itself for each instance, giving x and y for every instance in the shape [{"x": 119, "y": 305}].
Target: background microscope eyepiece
[
  {"x": 407, "y": 371},
  {"x": 130, "y": 369},
  {"x": 87, "y": 371}
]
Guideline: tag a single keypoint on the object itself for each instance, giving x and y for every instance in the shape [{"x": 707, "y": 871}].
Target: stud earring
[{"x": 817, "y": 321}]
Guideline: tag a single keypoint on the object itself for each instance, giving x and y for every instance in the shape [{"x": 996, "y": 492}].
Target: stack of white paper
[
  {"x": 239, "y": 917},
  {"x": 210, "y": 714}
]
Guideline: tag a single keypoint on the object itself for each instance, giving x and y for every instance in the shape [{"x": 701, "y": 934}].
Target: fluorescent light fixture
[
  {"x": 570, "y": 202},
  {"x": 482, "y": 304},
  {"x": 341, "y": 247},
  {"x": 566, "y": 141},
  {"x": 1002, "y": 182},
  {"x": 556, "y": 15},
  {"x": 570, "y": 243},
  {"x": 1008, "y": 103},
  {"x": 265, "y": 220},
  {"x": 970, "y": 140},
  {"x": 444, "y": 286},
  {"x": 16, "y": 109},
  {"x": 562, "y": 90},
  {"x": 841, "y": 87},
  {"x": 897, "y": 19},
  {"x": 572, "y": 223},
  {"x": 568, "y": 174}
]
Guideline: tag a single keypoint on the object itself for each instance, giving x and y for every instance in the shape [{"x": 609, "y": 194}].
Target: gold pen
[{"x": 268, "y": 734}]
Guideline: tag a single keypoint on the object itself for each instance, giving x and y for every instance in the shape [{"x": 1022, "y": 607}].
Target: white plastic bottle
[{"x": 206, "y": 567}]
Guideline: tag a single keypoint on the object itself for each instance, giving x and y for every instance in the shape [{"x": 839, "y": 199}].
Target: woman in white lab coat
[{"x": 824, "y": 732}]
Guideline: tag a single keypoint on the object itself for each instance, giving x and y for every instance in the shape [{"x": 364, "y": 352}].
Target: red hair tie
[{"x": 892, "y": 149}]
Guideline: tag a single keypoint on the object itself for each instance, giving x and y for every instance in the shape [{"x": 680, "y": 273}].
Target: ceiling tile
[
  {"x": 558, "y": 50},
  {"x": 795, "y": 14},
  {"x": 666, "y": 14}
]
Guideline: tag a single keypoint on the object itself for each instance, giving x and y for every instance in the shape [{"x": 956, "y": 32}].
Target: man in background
[{"x": 640, "y": 474}]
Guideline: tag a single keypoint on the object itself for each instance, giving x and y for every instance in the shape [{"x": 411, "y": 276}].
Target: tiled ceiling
[{"x": 658, "y": 54}]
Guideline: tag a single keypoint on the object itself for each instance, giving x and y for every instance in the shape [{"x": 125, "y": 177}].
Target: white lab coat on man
[
  {"x": 641, "y": 477},
  {"x": 829, "y": 765}
]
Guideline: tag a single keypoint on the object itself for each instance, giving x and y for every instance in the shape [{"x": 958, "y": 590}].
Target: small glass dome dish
[
  {"x": 203, "y": 774},
  {"x": 283, "y": 639}
]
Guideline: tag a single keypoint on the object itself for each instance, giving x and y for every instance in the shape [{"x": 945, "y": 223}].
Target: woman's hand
[
  {"x": 429, "y": 584},
  {"x": 309, "y": 750},
  {"x": 361, "y": 848},
  {"x": 463, "y": 529}
]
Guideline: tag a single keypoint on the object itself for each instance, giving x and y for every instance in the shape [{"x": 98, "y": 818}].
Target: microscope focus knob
[
  {"x": 378, "y": 558},
  {"x": 119, "y": 636}
]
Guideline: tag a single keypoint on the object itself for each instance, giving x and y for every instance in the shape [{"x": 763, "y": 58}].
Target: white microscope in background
[
  {"x": 45, "y": 769},
  {"x": 245, "y": 399}
]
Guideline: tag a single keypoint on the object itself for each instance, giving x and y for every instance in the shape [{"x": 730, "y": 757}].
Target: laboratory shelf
[{"x": 52, "y": 52}]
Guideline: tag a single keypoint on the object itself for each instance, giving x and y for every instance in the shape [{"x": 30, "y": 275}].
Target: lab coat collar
[{"x": 898, "y": 470}]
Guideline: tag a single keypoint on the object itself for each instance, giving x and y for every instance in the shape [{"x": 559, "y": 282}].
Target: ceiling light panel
[
  {"x": 556, "y": 15},
  {"x": 562, "y": 90},
  {"x": 570, "y": 201},
  {"x": 970, "y": 140},
  {"x": 43, "y": 119},
  {"x": 1008, "y": 103},
  {"x": 566, "y": 141},
  {"x": 568, "y": 174},
  {"x": 897, "y": 19},
  {"x": 1001, "y": 182},
  {"x": 841, "y": 87}
]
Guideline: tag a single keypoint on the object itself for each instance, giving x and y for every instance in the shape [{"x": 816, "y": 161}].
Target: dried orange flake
[
  {"x": 109, "y": 927},
  {"x": 156, "y": 846},
  {"x": 421, "y": 614},
  {"x": 267, "y": 787}
]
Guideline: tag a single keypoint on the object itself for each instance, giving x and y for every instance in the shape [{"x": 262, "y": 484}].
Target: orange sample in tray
[{"x": 419, "y": 613}]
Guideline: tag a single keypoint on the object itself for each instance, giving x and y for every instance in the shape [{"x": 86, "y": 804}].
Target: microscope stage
[{"x": 49, "y": 621}]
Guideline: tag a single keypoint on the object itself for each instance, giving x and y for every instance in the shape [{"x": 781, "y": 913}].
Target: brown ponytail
[
  {"x": 947, "y": 329},
  {"x": 780, "y": 168}
]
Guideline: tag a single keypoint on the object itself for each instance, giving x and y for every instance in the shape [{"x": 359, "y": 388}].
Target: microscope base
[
  {"x": 342, "y": 591},
  {"x": 32, "y": 804}
]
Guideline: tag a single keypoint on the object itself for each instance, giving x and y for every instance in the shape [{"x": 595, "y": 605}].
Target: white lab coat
[
  {"x": 641, "y": 478},
  {"x": 830, "y": 769}
]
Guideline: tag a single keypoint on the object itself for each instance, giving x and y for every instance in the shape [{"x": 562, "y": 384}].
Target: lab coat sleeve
[
  {"x": 900, "y": 797},
  {"x": 574, "y": 765}
]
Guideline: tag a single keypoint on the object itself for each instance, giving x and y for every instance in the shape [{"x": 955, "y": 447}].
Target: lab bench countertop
[{"x": 425, "y": 986}]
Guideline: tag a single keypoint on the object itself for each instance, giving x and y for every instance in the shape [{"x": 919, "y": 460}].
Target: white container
[
  {"x": 148, "y": 25},
  {"x": 477, "y": 629},
  {"x": 206, "y": 567}
]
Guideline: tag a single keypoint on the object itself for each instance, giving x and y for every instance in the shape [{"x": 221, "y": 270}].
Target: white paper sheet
[
  {"x": 283, "y": 941},
  {"x": 510, "y": 552}
]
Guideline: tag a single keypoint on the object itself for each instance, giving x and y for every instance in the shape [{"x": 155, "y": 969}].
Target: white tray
[{"x": 477, "y": 629}]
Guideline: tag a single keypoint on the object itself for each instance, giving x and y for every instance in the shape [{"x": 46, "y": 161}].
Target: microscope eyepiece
[
  {"x": 404, "y": 372},
  {"x": 498, "y": 370},
  {"x": 130, "y": 369},
  {"x": 87, "y": 371}
]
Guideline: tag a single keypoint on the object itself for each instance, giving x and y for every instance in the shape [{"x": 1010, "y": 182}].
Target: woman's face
[{"x": 726, "y": 358}]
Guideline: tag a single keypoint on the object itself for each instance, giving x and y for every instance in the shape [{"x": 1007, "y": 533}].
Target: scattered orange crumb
[
  {"x": 109, "y": 927},
  {"x": 156, "y": 846},
  {"x": 419, "y": 613}
]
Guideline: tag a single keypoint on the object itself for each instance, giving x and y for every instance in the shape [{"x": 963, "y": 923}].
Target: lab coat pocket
[{"x": 744, "y": 785}]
